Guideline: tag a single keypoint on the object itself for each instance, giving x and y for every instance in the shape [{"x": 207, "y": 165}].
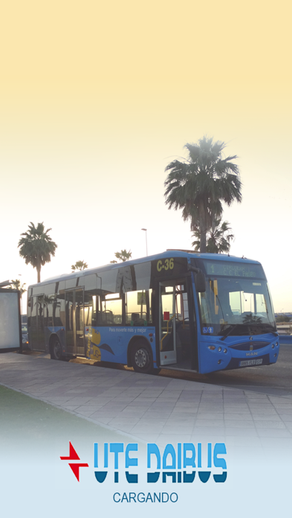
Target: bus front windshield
[{"x": 236, "y": 306}]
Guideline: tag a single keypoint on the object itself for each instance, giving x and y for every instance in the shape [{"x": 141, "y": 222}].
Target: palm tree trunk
[
  {"x": 203, "y": 229},
  {"x": 39, "y": 271},
  {"x": 203, "y": 244}
]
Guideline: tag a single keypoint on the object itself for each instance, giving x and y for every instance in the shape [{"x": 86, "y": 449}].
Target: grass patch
[{"x": 31, "y": 422}]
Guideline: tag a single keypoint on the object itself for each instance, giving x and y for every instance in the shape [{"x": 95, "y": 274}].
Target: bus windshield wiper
[
  {"x": 268, "y": 328},
  {"x": 228, "y": 330}
]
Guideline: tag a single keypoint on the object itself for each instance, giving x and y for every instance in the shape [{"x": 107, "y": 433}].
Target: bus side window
[
  {"x": 90, "y": 309},
  {"x": 138, "y": 308},
  {"x": 206, "y": 317},
  {"x": 111, "y": 310},
  {"x": 181, "y": 304}
]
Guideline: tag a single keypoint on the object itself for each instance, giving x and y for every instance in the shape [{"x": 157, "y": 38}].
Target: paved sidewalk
[{"x": 152, "y": 408}]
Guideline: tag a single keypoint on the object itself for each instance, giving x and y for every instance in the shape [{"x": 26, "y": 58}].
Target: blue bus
[{"x": 177, "y": 309}]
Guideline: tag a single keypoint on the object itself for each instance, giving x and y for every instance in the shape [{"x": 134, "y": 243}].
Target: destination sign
[{"x": 232, "y": 269}]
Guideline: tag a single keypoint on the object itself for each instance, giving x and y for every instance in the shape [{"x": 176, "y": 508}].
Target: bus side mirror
[{"x": 200, "y": 281}]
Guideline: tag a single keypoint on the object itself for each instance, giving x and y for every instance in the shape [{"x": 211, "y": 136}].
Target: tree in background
[
  {"x": 18, "y": 286},
  {"x": 281, "y": 317},
  {"x": 123, "y": 256},
  {"x": 79, "y": 265},
  {"x": 200, "y": 184},
  {"x": 36, "y": 247},
  {"x": 218, "y": 240}
]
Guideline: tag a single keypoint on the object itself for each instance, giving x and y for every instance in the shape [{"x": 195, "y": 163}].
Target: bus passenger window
[
  {"x": 111, "y": 310},
  {"x": 91, "y": 304},
  {"x": 138, "y": 308}
]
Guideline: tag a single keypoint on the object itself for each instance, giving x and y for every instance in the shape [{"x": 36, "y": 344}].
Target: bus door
[
  {"x": 75, "y": 321},
  {"x": 167, "y": 323},
  {"x": 175, "y": 343}
]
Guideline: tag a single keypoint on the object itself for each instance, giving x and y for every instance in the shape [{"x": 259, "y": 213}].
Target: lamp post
[{"x": 145, "y": 230}]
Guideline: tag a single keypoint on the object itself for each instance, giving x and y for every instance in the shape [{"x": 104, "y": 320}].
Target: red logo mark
[{"x": 73, "y": 456}]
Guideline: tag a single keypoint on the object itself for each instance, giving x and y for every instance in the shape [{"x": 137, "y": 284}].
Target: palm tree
[
  {"x": 201, "y": 183},
  {"x": 79, "y": 266},
  {"x": 18, "y": 286},
  {"x": 36, "y": 247},
  {"x": 218, "y": 241},
  {"x": 123, "y": 256}
]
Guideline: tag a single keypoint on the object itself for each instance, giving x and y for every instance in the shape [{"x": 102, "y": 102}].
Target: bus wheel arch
[
  {"x": 140, "y": 355},
  {"x": 55, "y": 348}
]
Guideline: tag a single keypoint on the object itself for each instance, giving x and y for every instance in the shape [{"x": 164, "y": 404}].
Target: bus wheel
[
  {"x": 141, "y": 359},
  {"x": 56, "y": 349}
]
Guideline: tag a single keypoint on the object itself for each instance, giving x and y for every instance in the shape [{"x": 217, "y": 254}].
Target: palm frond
[
  {"x": 201, "y": 183},
  {"x": 36, "y": 246}
]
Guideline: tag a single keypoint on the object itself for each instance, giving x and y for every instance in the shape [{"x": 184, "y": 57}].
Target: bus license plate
[{"x": 248, "y": 363}]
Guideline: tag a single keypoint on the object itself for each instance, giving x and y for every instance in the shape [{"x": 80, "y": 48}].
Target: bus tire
[
  {"x": 141, "y": 358},
  {"x": 56, "y": 349}
]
